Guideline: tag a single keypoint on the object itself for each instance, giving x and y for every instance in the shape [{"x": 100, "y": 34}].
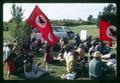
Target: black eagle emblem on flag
[
  {"x": 41, "y": 21},
  {"x": 113, "y": 33}
]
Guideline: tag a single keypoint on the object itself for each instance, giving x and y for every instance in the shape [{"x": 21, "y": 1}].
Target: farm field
[{"x": 91, "y": 29}]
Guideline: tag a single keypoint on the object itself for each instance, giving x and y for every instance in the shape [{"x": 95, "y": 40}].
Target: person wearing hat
[
  {"x": 96, "y": 67},
  {"x": 9, "y": 58},
  {"x": 6, "y": 51}
]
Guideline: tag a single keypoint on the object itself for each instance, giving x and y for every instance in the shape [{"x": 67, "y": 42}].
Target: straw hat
[{"x": 97, "y": 54}]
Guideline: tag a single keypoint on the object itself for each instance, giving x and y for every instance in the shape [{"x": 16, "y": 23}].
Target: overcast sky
[{"x": 58, "y": 10}]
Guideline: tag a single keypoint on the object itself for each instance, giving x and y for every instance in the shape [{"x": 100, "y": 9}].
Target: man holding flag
[{"x": 39, "y": 20}]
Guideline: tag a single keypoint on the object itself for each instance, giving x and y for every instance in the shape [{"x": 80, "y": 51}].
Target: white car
[
  {"x": 59, "y": 32},
  {"x": 63, "y": 31},
  {"x": 70, "y": 33}
]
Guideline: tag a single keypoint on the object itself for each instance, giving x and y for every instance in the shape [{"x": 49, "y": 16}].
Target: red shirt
[{"x": 11, "y": 65}]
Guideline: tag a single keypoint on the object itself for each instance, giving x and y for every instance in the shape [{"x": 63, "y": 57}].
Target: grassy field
[
  {"x": 91, "y": 29},
  {"x": 56, "y": 70}
]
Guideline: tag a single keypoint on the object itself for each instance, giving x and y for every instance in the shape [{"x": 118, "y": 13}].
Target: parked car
[
  {"x": 63, "y": 31},
  {"x": 70, "y": 33},
  {"x": 59, "y": 32}
]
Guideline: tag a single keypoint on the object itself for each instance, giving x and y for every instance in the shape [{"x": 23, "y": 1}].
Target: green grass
[
  {"x": 56, "y": 70},
  {"x": 92, "y": 29},
  {"x": 7, "y": 36}
]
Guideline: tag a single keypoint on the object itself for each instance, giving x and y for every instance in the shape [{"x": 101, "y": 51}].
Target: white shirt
[
  {"x": 92, "y": 49},
  {"x": 6, "y": 52},
  {"x": 111, "y": 61},
  {"x": 39, "y": 36},
  {"x": 67, "y": 55},
  {"x": 70, "y": 76}
]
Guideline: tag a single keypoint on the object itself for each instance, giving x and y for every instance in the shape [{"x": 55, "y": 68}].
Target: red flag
[
  {"x": 107, "y": 31},
  {"x": 39, "y": 20}
]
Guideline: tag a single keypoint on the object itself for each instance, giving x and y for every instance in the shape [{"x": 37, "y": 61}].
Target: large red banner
[
  {"x": 107, "y": 31},
  {"x": 39, "y": 20}
]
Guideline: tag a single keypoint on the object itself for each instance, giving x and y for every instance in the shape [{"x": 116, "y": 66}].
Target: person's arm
[{"x": 106, "y": 56}]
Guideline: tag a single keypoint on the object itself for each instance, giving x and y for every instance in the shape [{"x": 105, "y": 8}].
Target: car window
[
  {"x": 58, "y": 29},
  {"x": 55, "y": 30},
  {"x": 67, "y": 29}
]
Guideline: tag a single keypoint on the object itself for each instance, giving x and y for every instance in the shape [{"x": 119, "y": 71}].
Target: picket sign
[{"x": 83, "y": 35}]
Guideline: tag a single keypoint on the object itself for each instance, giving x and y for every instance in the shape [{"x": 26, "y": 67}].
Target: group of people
[
  {"x": 20, "y": 58},
  {"x": 20, "y": 61},
  {"x": 99, "y": 59}
]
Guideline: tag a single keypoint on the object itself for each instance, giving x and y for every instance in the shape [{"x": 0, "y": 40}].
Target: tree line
[
  {"x": 19, "y": 28},
  {"x": 64, "y": 22}
]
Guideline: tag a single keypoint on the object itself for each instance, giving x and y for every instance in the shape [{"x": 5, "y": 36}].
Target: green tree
[
  {"x": 90, "y": 17},
  {"x": 109, "y": 9},
  {"x": 109, "y": 14},
  {"x": 17, "y": 27},
  {"x": 17, "y": 13},
  {"x": 91, "y": 20},
  {"x": 5, "y": 26}
]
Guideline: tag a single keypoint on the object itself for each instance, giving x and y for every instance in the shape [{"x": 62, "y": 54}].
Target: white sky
[{"x": 58, "y": 10}]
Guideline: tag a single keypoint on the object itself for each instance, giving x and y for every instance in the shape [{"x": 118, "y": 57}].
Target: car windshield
[
  {"x": 58, "y": 29},
  {"x": 55, "y": 30},
  {"x": 67, "y": 29}
]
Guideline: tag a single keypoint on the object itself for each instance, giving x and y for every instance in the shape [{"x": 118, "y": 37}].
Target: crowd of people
[{"x": 20, "y": 58}]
